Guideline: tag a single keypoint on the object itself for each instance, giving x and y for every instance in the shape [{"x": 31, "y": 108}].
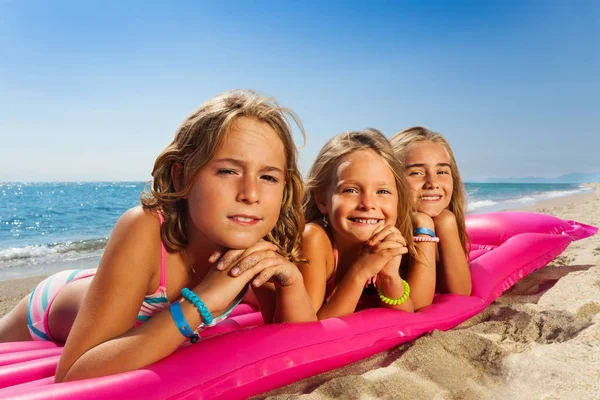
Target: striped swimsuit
[{"x": 40, "y": 301}]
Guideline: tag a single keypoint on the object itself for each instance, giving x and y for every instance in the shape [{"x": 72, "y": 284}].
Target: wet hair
[
  {"x": 322, "y": 172},
  {"x": 401, "y": 141},
  {"x": 194, "y": 145}
]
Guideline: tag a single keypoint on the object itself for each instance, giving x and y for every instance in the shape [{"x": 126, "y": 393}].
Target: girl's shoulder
[
  {"x": 139, "y": 217},
  {"x": 315, "y": 234},
  {"x": 316, "y": 243},
  {"x": 140, "y": 223},
  {"x": 317, "y": 249},
  {"x": 134, "y": 247}
]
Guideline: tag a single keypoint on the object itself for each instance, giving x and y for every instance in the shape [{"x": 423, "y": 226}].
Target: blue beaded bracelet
[
  {"x": 181, "y": 322},
  {"x": 199, "y": 304},
  {"x": 424, "y": 231}
]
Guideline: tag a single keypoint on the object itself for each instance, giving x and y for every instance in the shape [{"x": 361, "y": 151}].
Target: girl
[
  {"x": 359, "y": 226},
  {"x": 437, "y": 190},
  {"x": 228, "y": 180}
]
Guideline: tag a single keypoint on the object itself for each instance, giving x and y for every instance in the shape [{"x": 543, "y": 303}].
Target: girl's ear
[
  {"x": 320, "y": 200},
  {"x": 177, "y": 177}
]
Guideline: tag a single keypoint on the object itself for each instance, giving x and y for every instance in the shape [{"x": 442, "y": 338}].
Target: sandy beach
[{"x": 540, "y": 340}]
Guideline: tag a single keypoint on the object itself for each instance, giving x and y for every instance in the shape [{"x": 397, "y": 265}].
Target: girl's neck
[{"x": 198, "y": 250}]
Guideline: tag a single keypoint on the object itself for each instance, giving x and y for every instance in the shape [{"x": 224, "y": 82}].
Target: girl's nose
[
  {"x": 430, "y": 181},
  {"x": 248, "y": 191},
  {"x": 367, "y": 202}
]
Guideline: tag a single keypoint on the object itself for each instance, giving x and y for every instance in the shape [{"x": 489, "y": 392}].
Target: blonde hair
[
  {"x": 402, "y": 140},
  {"x": 194, "y": 145},
  {"x": 321, "y": 173}
]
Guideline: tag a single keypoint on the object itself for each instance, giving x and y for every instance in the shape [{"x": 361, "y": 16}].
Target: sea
[{"x": 48, "y": 227}]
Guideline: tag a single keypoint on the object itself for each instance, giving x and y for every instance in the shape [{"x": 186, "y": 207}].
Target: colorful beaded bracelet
[
  {"x": 199, "y": 304},
  {"x": 395, "y": 302},
  {"x": 426, "y": 239},
  {"x": 181, "y": 322}
]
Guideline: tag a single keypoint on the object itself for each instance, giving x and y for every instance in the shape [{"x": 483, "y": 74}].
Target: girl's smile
[{"x": 245, "y": 220}]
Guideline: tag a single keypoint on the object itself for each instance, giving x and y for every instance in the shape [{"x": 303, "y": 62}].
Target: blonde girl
[{"x": 437, "y": 190}]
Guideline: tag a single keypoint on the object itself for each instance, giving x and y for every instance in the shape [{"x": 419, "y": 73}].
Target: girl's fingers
[
  {"x": 255, "y": 262},
  {"x": 379, "y": 234},
  {"x": 396, "y": 237},
  {"x": 278, "y": 272},
  {"x": 387, "y": 245},
  {"x": 228, "y": 259},
  {"x": 233, "y": 256},
  {"x": 395, "y": 252},
  {"x": 218, "y": 253}
]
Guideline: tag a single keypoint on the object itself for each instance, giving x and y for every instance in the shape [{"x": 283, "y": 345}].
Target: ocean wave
[
  {"x": 474, "y": 205},
  {"x": 72, "y": 250},
  {"x": 484, "y": 205},
  {"x": 560, "y": 193},
  {"x": 523, "y": 200}
]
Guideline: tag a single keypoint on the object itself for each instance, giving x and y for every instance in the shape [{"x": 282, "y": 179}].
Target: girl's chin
[
  {"x": 429, "y": 211},
  {"x": 238, "y": 243}
]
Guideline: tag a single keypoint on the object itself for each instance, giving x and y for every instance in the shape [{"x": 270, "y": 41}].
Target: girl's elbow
[
  {"x": 464, "y": 290},
  {"x": 422, "y": 303},
  {"x": 63, "y": 376}
]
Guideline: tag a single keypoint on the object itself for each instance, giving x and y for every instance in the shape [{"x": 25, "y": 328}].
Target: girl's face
[
  {"x": 428, "y": 172},
  {"x": 361, "y": 197},
  {"x": 236, "y": 198}
]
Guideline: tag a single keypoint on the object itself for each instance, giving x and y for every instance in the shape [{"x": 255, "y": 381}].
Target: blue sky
[{"x": 94, "y": 91}]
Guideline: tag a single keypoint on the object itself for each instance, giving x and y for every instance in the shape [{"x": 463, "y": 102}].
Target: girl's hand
[
  {"x": 278, "y": 284},
  {"x": 384, "y": 234},
  {"x": 382, "y": 252},
  {"x": 229, "y": 258},
  {"x": 382, "y": 238},
  {"x": 226, "y": 280},
  {"x": 280, "y": 271},
  {"x": 283, "y": 275}
]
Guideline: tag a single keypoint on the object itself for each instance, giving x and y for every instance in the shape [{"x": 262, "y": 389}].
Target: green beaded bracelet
[{"x": 395, "y": 302}]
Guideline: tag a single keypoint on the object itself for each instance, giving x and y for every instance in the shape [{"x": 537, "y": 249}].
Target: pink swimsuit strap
[{"x": 163, "y": 257}]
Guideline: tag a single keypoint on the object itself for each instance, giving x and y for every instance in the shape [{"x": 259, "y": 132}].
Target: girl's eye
[
  {"x": 414, "y": 173},
  {"x": 349, "y": 190},
  {"x": 383, "y": 191},
  {"x": 225, "y": 172},
  {"x": 444, "y": 172},
  {"x": 270, "y": 178}
]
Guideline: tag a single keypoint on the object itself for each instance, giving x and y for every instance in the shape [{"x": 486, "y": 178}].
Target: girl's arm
[
  {"x": 102, "y": 340},
  {"x": 284, "y": 303},
  {"x": 370, "y": 262},
  {"x": 421, "y": 270},
  {"x": 316, "y": 248},
  {"x": 292, "y": 303},
  {"x": 393, "y": 288},
  {"x": 278, "y": 288},
  {"x": 346, "y": 296},
  {"x": 389, "y": 282},
  {"x": 454, "y": 272},
  {"x": 281, "y": 294}
]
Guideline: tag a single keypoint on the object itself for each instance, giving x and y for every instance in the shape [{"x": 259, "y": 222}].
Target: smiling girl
[
  {"x": 360, "y": 228},
  {"x": 437, "y": 190}
]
